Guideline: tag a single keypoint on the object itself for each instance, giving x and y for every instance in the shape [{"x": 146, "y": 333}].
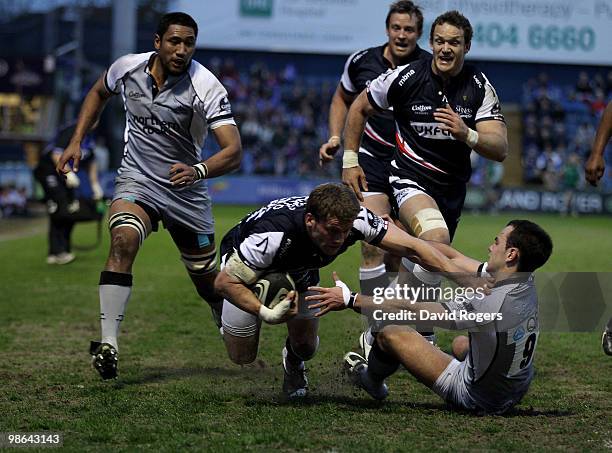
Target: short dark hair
[
  {"x": 406, "y": 7},
  {"x": 333, "y": 200},
  {"x": 175, "y": 19},
  {"x": 534, "y": 244},
  {"x": 456, "y": 19}
]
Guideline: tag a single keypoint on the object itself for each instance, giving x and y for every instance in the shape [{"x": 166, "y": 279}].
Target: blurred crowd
[
  {"x": 559, "y": 128},
  {"x": 282, "y": 118},
  {"x": 13, "y": 201}
]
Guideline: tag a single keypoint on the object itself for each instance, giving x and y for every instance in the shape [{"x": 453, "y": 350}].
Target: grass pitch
[{"x": 177, "y": 390}]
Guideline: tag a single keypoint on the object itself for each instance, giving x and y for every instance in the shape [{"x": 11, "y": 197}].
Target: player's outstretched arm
[
  {"x": 340, "y": 297},
  {"x": 88, "y": 116},
  {"x": 338, "y": 109},
  {"x": 595, "y": 165},
  {"x": 352, "y": 174}
]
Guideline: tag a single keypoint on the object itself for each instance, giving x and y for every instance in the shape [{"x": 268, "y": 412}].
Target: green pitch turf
[{"x": 177, "y": 390}]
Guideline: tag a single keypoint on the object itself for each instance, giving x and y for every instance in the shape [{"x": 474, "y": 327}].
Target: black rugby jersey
[
  {"x": 424, "y": 152},
  {"x": 274, "y": 238},
  {"x": 359, "y": 70}
]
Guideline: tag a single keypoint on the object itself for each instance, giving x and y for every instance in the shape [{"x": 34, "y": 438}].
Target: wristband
[
  {"x": 201, "y": 171},
  {"x": 334, "y": 136},
  {"x": 472, "y": 138},
  {"x": 352, "y": 300},
  {"x": 350, "y": 159}
]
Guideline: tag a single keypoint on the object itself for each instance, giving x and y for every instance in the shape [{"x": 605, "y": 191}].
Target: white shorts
[
  {"x": 451, "y": 386},
  {"x": 454, "y": 387},
  {"x": 190, "y": 207},
  {"x": 404, "y": 189}
]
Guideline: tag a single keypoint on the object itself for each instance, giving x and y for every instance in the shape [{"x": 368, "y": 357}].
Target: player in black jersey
[
  {"x": 443, "y": 110},
  {"x": 404, "y": 26},
  {"x": 297, "y": 235}
]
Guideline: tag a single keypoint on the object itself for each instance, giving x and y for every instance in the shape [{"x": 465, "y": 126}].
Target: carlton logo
[
  {"x": 406, "y": 77},
  {"x": 135, "y": 95},
  {"x": 421, "y": 108}
]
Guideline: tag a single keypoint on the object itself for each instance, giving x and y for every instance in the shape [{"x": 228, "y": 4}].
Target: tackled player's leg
[{"x": 301, "y": 345}]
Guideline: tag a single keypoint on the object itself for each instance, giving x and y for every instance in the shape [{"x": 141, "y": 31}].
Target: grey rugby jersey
[
  {"x": 500, "y": 359},
  {"x": 170, "y": 127}
]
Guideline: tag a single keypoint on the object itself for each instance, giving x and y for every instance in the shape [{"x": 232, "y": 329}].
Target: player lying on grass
[
  {"x": 297, "y": 235},
  {"x": 496, "y": 364}
]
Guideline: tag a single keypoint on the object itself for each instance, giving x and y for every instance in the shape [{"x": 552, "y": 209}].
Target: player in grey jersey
[
  {"x": 497, "y": 358},
  {"x": 170, "y": 102}
]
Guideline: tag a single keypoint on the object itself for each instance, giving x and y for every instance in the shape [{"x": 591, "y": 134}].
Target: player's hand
[
  {"x": 354, "y": 177},
  {"x": 451, "y": 121},
  {"x": 182, "y": 175},
  {"x": 282, "y": 312},
  {"x": 484, "y": 283},
  {"x": 594, "y": 169},
  {"x": 328, "y": 150},
  {"x": 330, "y": 299},
  {"x": 72, "y": 180},
  {"x": 71, "y": 153}
]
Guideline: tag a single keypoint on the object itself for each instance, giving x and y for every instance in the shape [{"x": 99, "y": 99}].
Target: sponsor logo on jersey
[
  {"x": 135, "y": 94},
  {"x": 518, "y": 333},
  {"x": 225, "y": 105},
  {"x": 406, "y": 77},
  {"x": 421, "y": 109},
  {"x": 431, "y": 130},
  {"x": 357, "y": 57},
  {"x": 464, "y": 112},
  {"x": 478, "y": 82},
  {"x": 151, "y": 125}
]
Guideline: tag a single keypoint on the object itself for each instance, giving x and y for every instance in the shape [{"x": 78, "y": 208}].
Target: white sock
[{"x": 115, "y": 289}]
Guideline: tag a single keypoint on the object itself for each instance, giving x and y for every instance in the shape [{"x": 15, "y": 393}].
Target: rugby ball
[{"x": 271, "y": 288}]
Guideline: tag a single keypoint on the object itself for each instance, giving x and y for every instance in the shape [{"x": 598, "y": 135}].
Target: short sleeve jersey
[
  {"x": 503, "y": 341},
  {"x": 274, "y": 238},
  {"x": 424, "y": 152},
  {"x": 167, "y": 125},
  {"x": 359, "y": 70}
]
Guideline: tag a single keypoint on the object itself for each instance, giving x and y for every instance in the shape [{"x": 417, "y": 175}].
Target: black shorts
[
  {"x": 377, "y": 172},
  {"x": 449, "y": 199}
]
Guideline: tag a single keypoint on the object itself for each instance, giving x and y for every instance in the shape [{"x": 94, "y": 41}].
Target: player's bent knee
[
  {"x": 201, "y": 263},
  {"x": 460, "y": 347},
  {"x": 304, "y": 350},
  {"x": 123, "y": 244},
  {"x": 119, "y": 222},
  {"x": 390, "y": 336},
  {"x": 429, "y": 222}
]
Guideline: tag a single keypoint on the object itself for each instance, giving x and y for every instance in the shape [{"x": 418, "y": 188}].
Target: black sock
[
  {"x": 292, "y": 357},
  {"x": 380, "y": 364}
]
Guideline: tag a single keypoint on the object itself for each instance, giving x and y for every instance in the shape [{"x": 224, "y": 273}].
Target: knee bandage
[
  {"x": 129, "y": 220},
  {"x": 425, "y": 220},
  {"x": 200, "y": 264}
]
